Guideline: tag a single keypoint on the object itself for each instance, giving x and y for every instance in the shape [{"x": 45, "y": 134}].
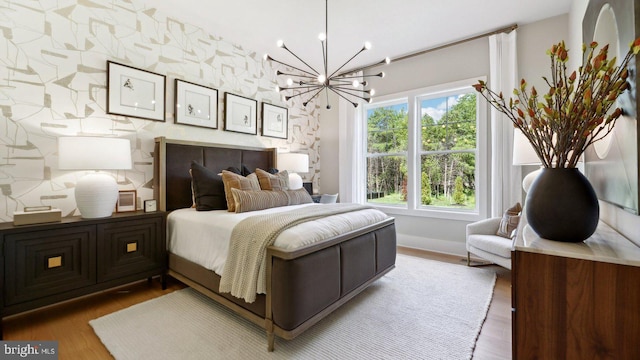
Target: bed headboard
[{"x": 172, "y": 161}]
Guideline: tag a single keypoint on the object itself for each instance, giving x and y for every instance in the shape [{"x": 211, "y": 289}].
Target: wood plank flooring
[{"x": 69, "y": 322}]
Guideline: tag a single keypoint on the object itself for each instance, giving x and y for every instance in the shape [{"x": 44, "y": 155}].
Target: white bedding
[{"x": 203, "y": 237}]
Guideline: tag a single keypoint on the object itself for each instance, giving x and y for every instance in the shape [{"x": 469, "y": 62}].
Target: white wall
[{"x": 454, "y": 63}]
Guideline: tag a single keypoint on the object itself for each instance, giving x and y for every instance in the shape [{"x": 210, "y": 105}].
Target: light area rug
[{"x": 423, "y": 309}]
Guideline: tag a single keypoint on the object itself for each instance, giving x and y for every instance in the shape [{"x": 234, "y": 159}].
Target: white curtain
[
  {"x": 350, "y": 152},
  {"x": 505, "y": 177}
]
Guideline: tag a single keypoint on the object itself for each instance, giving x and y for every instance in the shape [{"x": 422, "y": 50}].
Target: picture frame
[
  {"x": 196, "y": 105},
  {"x": 135, "y": 92},
  {"x": 240, "y": 114},
  {"x": 126, "y": 201},
  {"x": 275, "y": 121}
]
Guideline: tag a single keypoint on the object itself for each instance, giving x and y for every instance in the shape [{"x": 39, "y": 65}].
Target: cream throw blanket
[{"x": 244, "y": 270}]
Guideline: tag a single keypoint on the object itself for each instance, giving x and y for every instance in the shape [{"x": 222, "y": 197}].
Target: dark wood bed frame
[{"x": 303, "y": 285}]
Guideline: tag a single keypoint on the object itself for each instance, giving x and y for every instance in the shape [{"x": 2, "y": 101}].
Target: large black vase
[{"x": 561, "y": 205}]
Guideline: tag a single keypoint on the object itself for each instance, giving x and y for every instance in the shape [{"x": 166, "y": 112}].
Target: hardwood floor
[{"x": 69, "y": 322}]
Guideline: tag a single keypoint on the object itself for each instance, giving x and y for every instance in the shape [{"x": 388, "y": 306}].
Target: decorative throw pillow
[
  {"x": 235, "y": 181},
  {"x": 298, "y": 196},
  {"x": 279, "y": 181},
  {"x": 245, "y": 170},
  {"x": 207, "y": 188},
  {"x": 509, "y": 221},
  {"x": 252, "y": 200}
]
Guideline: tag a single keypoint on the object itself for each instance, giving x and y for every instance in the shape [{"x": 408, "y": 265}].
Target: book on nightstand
[{"x": 37, "y": 215}]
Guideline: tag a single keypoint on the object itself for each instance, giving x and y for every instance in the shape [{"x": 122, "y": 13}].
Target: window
[{"x": 422, "y": 150}]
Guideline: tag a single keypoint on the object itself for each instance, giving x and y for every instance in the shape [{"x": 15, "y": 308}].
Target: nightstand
[{"x": 42, "y": 264}]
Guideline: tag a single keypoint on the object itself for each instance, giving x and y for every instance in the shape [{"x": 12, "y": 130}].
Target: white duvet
[{"x": 203, "y": 237}]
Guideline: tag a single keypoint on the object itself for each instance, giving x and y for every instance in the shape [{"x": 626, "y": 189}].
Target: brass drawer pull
[
  {"x": 54, "y": 262},
  {"x": 132, "y": 247}
]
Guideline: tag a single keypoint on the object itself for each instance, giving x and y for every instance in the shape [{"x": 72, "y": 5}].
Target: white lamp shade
[
  {"x": 293, "y": 162},
  {"x": 523, "y": 153},
  {"x": 93, "y": 153},
  {"x": 96, "y": 193}
]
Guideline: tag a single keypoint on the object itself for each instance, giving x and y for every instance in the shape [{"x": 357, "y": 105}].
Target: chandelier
[{"x": 311, "y": 82}]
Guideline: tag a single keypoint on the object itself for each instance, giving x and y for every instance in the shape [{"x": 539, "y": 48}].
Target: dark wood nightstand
[{"x": 42, "y": 264}]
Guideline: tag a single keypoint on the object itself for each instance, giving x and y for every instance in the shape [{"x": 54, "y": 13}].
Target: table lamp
[
  {"x": 294, "y": 163},
  {"x": 523, "y": 154},
  {"x": 96, "y": 193}
]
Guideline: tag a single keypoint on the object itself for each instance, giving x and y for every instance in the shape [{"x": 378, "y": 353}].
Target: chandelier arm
[
  {"x": 350, "y": 92},
  {"x": 349, "y": 89},
  {"x": 291, "y": 66},
  {"x": 297, "y": 75},
  {"x": 342, "y": 96},
  {"x": 305, "y": 92},
  {"x": 344, "y": 76},
  {"x": 347, "y": 72},
  {"x": 301, "y": 87},
  {"x": 302, "y": 61},
  {"x": 314, "y": 95},
  {"x": 348, "y": 61}
]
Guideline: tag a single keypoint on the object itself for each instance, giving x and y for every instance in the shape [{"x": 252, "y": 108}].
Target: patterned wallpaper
[{"x": 53, "y": 56}]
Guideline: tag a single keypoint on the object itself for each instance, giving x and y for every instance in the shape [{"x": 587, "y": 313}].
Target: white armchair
[{"x": 483, "y": 242}]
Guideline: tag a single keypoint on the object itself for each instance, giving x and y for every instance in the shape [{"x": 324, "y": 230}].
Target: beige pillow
[
  {"x": 299, "y": 196},
  {"x": 252, "y": 200},
  {"x": 509, "y": 221},
  {"x": 234, "y": 181},
  {"x": 279, "y": 181}
]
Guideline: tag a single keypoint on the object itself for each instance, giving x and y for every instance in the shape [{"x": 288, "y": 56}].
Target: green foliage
[
  {"x": 458, "y": 192},
  {"x": 426, "y": 190}
]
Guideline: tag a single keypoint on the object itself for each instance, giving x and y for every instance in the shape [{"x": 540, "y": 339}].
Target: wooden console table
[{"x": 576, "y": 300}]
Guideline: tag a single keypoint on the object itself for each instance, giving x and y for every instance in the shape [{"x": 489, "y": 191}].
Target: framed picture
[
  {"x": 196, "y": 105},
  {"x": 126, "y": 201},
  {"x": 135, "y": 92},
  {"x": 275, "y": 121},
  {"x": 240, "y": 114}
]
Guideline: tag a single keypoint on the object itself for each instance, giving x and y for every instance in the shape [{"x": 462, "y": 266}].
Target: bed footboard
[{"x": 308, "y": 284}]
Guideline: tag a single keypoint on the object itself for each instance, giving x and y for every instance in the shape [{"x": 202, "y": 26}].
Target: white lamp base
[
  {"x": 295, "y": 181},
  {"x": 96, "y": 195},
  {"x": 528, "y": 180}
]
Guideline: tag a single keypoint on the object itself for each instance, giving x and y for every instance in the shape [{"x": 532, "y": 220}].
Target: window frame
[{"x": 413, "y": 99}]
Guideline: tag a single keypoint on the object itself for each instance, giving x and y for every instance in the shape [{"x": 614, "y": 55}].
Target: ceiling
[{"x": 394, "y": 28}]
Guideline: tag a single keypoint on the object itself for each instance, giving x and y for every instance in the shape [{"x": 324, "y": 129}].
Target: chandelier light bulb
[
  {"x": 277, "y": 88},
  {"x": 367, "y": 45},
  {"x": 265, "y": 57},
  {"x": 382, "y": 74},
  {"x": 387, "y": 60},
  {"x": 280, "y": 43},
  {"x": 372, "y": 92},
  {"x": 289, "y": 81},
  {"x": 322, "y": 79},
  {"x": 355, "y": 83},
  {"x": 322, "y": 36}
]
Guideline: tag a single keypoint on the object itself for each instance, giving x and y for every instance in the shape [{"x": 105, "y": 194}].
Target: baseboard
[{"x": 449, "y": 247}]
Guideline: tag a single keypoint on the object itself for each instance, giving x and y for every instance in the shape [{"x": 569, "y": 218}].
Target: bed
[{"x": 304, "y": 284}]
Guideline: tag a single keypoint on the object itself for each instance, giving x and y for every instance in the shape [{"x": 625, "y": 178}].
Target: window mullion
[{"x": 413, "y": 163}]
